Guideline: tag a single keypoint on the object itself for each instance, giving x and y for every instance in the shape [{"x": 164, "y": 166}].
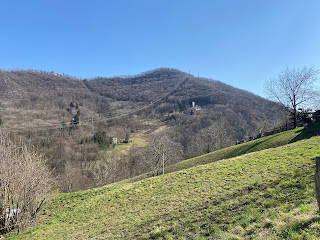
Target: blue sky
[{"x": 242, "y": 43}]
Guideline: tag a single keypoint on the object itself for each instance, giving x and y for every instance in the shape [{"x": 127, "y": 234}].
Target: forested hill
[
  {"x": 144, "y": 87},
  {"x": 159, "y": 102},
  {"x": 239, "y": 111},
  {"x": 141, "y": 88},
  {"x": 151, "y": 85},
  {"x": 108, "y": 97},
  {"x": 18, "y": 84}
]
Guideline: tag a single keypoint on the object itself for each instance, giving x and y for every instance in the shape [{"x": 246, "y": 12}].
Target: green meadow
[
  {"x": 262, "y": 189},
  {"x": 271, "y": 141}
]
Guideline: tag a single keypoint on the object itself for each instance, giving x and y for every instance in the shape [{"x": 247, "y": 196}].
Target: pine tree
[
  {"x": 76, "y": 119},
  {"x": 126, "y": 139}
]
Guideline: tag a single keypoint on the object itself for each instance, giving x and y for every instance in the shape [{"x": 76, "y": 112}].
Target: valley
[
  {"x": 60, "y": 116},
  {"x": 266, "y": 194},
  {"x": 162, "y": 155},
  {"x": 159, "y": 120}
]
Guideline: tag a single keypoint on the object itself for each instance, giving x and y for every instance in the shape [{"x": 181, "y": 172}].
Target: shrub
[
  {"x": 102, "y": 140},
  {"x": 24, "y": 184}
]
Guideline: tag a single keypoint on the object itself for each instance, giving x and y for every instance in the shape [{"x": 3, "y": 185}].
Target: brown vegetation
[
  {"x": 60, "y": 116},
  {"x": 25, "y": 182}
]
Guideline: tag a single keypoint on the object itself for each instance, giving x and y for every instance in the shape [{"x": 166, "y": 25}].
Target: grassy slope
[
  {"x": 267, "y": 195},
  {"x": 272, "y": 141},
  {"x": 124, "y": 148}
]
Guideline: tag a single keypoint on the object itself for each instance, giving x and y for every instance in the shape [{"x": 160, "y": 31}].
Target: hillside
[
  {"x": 272, "y": 141},
  {"x": 48, "y": 92},
  {"x": 262, "y": 195},
  {"x": 19, "y": 83},
  {"x": 41, "y": 108}
]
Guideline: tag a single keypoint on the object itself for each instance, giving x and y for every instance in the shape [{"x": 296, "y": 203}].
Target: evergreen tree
[
  {"x": 76, "y": 119},
  {"x": 126, "y": 139},
  {"x": 101, "y": 139}
]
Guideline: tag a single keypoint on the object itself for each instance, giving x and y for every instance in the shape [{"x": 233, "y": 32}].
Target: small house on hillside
[
  {"x": 194, "y": 106},
  {"x": 11, "y": 212}
]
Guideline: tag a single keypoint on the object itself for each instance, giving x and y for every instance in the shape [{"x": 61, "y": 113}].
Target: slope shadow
[
  {"x": 307, "y": 132},
  {"x": 252, "y": 147}
]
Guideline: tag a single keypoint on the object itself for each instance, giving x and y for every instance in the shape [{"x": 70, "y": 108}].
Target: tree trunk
[
  {"x": 295, "y": 117},
  {"x": 163, "y": 163},
  {"x": 294, "y": 112},
  {"x": 317, "y": 180}
]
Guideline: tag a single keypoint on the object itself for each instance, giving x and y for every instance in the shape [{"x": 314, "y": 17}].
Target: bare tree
[
  {"x": 162, "y": 151},
  {"x": 293, "y": 88},
  {"x": 104, "y": 172},
  {"x": 217, "y": 136},
  {"x": 24, "y": 184}
]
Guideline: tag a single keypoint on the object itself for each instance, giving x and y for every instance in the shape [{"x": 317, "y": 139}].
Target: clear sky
[{"x": 240, "y": 42}]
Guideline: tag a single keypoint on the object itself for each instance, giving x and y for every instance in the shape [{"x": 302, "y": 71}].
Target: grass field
[
  {"x": 262, "y": 195},
  {"x": 121, "y": 149},
  {"x": 272, "y": 141}
]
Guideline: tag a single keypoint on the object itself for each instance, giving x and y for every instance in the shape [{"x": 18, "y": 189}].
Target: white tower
[{"x": 193, "y": 104}]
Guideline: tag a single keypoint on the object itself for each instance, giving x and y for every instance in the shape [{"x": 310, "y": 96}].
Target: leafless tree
[
  {"x": 161, "y": 152},
  {"x": 25, "y": 182},
  {"x": 293, "y": 88},
  {"x": 214, "y": 137},
  {"x": 104, "y": 173}
]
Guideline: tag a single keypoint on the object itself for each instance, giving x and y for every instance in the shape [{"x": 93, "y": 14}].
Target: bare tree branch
[
  {"x": 293, "y": 88},
  {"x": 24, "y": 184}
]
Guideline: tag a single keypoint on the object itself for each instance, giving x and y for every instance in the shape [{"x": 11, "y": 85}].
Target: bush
[
  {"x": 126, "y": 139},
  {"x": 102, "y": 140},
  {"x": 24, "y": 184}
]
